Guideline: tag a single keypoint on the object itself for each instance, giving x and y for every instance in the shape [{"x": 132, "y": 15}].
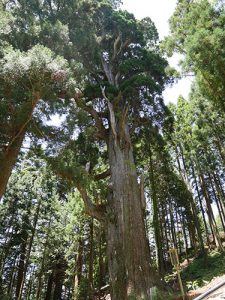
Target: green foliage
[
  {"x": 197, "y": 31},
  {"x": 90, "y": 45},
  {"x": 198, "y": 274}
]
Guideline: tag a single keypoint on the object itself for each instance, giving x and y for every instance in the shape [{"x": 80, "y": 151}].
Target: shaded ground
[{"x": 199, "y": 275}]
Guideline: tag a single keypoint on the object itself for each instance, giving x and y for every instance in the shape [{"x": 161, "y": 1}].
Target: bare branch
[
  {"x": 115, "y": 46},
  {"x": 112, "y": 114},
  {"x": 108, "y": 71},
  {"x": 142, "y": 192},
  {"x": 123, "y": 118},
  {"x": 116, "y": 79},
  {"x": 98, "y": 122},
  {"x": 124, "y": 46},
  {"x": 96, "y": 211}
]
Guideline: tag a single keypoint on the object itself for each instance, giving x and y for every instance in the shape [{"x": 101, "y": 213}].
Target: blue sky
[{"x": 160, "y": 11}]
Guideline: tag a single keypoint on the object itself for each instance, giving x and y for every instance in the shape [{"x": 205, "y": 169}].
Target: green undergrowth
[{"x": 202, "y": 271}]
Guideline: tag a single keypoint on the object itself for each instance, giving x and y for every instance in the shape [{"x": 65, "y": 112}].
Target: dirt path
[{"x": 217, "y": 295}]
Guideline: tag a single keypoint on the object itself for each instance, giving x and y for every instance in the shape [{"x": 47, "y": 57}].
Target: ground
[
  {"x": 199, "y": 275},
  {"x": 217, "y": 295}
]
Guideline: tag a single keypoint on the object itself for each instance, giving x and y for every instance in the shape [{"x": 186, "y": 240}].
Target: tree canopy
[{"x": 99, "y": 178}]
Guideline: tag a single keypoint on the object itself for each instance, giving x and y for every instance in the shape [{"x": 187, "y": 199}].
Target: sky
[{"x": 160, "y": 11}]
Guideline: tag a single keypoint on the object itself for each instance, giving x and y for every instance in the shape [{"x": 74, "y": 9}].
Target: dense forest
[{"x": 99, "y": 178}]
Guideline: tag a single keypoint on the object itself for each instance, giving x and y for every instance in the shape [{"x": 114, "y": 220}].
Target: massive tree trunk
[
  {"x": 127, "y": 246},
  {"x": 128, "y": 250}
]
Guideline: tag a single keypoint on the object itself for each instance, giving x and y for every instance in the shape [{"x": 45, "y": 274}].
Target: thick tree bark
[
  {"x": 9, "y": 155},
  {"x": 128, "y": 250},
  {"x": 8, "y": 160}
]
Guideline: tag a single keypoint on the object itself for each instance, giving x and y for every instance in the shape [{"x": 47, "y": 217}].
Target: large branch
[
  {"x": 24, "y": 125},
  {"x": 112, "y": 114},
  {"x": 116, "y": 46},
  {"x": 96, "y": 211},
  {"x": 119, "y": 46},
  {"x": 108, "y": 71},
  {"x": 102, "y": 175},
  {"x": 98, "y": 122}
]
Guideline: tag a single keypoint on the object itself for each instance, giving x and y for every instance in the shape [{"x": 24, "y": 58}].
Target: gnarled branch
[
  {"x": 112, "y": 114},
  {"x": 102, "y": 132},
  {"x": 102, "y": 175},
  {"x": 96, "y": 211}
]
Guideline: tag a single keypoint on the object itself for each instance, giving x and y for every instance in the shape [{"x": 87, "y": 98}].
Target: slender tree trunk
[
  {"x": 156, "y": 225},
  {"x": 91, "y": 258},
  {"x": 220, "y": 149},
  {"x": 30, "y": 284},
  {"x": 101, "y": 262},
  {"x": 211, "y": 215},
  {"x": 218, "y": 203},
  {"x": 21, "y": 266},
  {"x": 128, "y": 250},
  {"x": 201, "y": 205},
  {"x": 58, "y": 279},
  {"x": 217, "y": 179},
  {"x": 184, "y": 174},
  {"x": 8, "y": 235},
  {"x": 29, "y": 248},
  {"x": 178, "y": 232},
  {"x": 183, "y": 227},
  {"x": 172, "y": 226},
  {"x": 40, "y": 274},
  {"x": 164, "y": 237},
  {"x": 12, "y": 278},
  {"x": 78, "y": 269},
  {"x": 221, "y": 196},
  {"x": 48, "y": 294}
]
